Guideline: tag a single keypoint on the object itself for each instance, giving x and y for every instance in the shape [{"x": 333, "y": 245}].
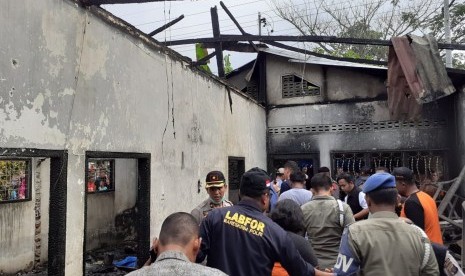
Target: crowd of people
[{"x": 379, "y": 224}]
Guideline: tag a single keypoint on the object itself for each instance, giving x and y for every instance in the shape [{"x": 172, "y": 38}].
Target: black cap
[
  {"x": 254, "y": 182},
  {"x": 214, "y": 179},
  {"x": 403, "y": 173}
]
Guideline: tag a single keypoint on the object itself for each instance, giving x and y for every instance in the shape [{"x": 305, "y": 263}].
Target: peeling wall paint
[{"x": 105, "y": 90}]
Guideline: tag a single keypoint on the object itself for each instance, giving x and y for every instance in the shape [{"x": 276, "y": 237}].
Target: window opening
[
  {"x": 426, "y": 165},
  {"x": 236, "y": 168},
  {"x": 15, "y": 180},
  {"x": 294, "y": 86},
  {"x": 251, "y": 89},
  {"x": 100, "y": 175}
]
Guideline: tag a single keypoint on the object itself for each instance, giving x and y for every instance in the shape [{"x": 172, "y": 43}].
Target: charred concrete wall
[
  {"x": 354, "y": 127},
  {"x": 24, "y": 225},
  {"x": 348, "y": 115},
  {"x": 104, "y": 207},
  {"x": 336, "y": 83},
  {"x": 80, "y": 80}
]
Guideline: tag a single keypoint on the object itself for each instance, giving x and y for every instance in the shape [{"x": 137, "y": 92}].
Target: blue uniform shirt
[{"x": 241, "y": 240}]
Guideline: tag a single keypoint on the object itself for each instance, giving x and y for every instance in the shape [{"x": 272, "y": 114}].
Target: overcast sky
[{"x": 197, "y": 22}]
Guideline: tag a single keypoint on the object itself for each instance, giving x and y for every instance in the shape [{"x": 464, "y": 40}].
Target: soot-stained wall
[
  {"x": 103, "y": 207},
  {"x": 353, "y": 127},
  {"x": 78, "y": 79},
  {"x": 348, "y": 115}
]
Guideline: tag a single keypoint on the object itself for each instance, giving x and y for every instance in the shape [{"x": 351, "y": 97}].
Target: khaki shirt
[
  {"x": 324, "y": 230},
  {"x": 206, "y": 206},
  {"x": 171, "y": 263},
  {"x": 385, "y": 245}
]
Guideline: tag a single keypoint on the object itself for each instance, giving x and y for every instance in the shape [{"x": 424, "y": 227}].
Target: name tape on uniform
[{"x": 245, "y": 223}]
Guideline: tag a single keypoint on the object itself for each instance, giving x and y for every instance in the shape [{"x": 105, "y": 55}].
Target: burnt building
[{"x": 334, "y": 113}]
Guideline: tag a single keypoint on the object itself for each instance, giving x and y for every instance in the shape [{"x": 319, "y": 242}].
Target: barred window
[
  {"x": 293, "y": 86},
  {"x": 424, "y": 164},
  {"x": 15, "y": 180}
]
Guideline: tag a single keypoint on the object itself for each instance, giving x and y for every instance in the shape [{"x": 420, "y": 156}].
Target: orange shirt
[
  {"x": 421, "y": 209},
  {"x": 279, "y": 270},
  {"x": 91, "y": 186}
]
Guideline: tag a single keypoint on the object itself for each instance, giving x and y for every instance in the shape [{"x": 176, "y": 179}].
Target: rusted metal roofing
[{"x": 416, "y": 75}]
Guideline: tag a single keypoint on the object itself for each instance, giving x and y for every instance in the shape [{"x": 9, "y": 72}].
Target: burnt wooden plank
[
  {"x": 167, "y": 25},
  {"x": 303, "y": 38},
  {"x": 237, "y": 25},
  {"x": 218, "y": 46}
]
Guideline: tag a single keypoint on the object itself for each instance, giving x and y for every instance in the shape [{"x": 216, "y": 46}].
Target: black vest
[{"x": 352, "y": 200}]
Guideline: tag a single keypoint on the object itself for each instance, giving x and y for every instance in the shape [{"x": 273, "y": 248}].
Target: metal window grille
[
  {"x": 236, "y": 168},
  {"x": 423, "y": 163}
]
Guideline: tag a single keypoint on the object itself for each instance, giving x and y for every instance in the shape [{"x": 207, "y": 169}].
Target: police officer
[
  {"x": 384, "y": 244},
  {"x": 216, "y": 187},
  {"x": 241, "y": 240}
]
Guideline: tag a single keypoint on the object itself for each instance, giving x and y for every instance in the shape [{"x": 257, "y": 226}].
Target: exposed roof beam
[
  {"x": 304, "y": 38},
  {"x": 236, "y": 46},
  {"x": 204, "y": 60},
  {"x": 101, "y": 2},
  {"x": 237, "y": 24},
  {"x": 304, "y": 51},
  {"x": 167, "y": 25},
  {"x": 218, "y": 46}
]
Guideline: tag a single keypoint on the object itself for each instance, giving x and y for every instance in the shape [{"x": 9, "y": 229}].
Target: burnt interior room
[{"x": 117, "y": 216}]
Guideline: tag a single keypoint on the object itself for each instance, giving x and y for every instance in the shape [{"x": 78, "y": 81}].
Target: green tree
[
  {"x": 201, "y": 52},
  {"x": 373, "y": 19},
  {"x": 227, "y": 64}
]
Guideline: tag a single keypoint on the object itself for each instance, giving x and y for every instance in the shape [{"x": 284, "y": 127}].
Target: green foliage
[
  {"x": 374, "y": 19},
  {"x": 227, "y": 64},
  {"x": 201, "y": 52}
]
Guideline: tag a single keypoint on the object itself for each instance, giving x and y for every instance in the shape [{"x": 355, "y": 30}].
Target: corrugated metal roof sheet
[{"x": 309, "y": 59}]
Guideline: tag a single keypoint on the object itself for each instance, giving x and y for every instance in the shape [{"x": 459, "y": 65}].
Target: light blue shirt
[{"x": 299, "y": 195}]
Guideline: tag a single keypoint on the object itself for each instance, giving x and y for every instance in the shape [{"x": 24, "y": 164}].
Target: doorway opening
[
  {"x": 117, "y": 212},
  {"x": 309, "y": 163},
  {"x": 236, "y": 168}
]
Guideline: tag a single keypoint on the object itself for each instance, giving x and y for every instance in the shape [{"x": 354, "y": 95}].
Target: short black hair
[
  {"x": 288, "y": 214},
  {"x": 323, "y": 169},
  {"x": 381, "y": 168},
  {"x": 384, "y": 196},
  {"x": 321, "y": 181},
  {"x": 179, "y": 228},
  {"x": 292, "y": 165},
  {"x": 297, "y": 177},
  {"x": 365, "y": 170},
  {"x": 346, "y": 176}
]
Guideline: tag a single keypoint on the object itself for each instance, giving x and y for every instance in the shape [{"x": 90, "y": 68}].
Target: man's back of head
[
  {"x": 180, "y": 230},
  {"x": 404, "y": 174},
  {"x": 297, "y": 179},
  {"x": 321, "y": 182},
  {"x": 292, "y": 166}
]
